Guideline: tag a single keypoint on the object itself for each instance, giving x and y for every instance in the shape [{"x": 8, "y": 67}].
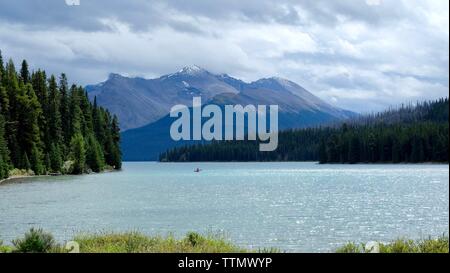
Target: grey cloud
[
  {"x": 328, "y": 12},
  {"x": 44, "y": 14},
  {"x": 349, "y": 53},
  {"x": 142, "y": 14}
]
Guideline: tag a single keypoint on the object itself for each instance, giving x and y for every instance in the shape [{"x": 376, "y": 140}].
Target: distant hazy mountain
[
  {"x": 139, "y": 102},
  {"x": 143, "y": 105}
]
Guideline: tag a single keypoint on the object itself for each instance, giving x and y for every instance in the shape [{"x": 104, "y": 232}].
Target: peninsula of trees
[
  {"x": 47, "y": 127},
  {"x": 407, "y": 134}
]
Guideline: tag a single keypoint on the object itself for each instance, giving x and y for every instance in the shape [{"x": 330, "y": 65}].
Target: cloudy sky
[{"x": 363, "y": 55}]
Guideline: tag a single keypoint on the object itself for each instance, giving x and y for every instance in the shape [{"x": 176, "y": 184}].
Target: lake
[{"x": 297, "y": 207}]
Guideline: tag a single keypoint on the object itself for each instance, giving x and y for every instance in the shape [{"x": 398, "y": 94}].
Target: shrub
[
  {"x": 67, "y": 167},
  {"x": 35, "y": 241},
  {"x": 19, "y": 172},
  {"x": 351, "y": 248},
  {"x": 430, "y": 245},
  {"x": 194, "y": 239}
]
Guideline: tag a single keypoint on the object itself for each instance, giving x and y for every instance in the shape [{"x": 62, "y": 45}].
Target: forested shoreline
[
  {"x": 407, "y": 134},
  {"x": 47, "y": 127}
]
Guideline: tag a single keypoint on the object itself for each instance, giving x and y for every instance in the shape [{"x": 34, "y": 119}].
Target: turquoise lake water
[{"x": 297, "y": 207}]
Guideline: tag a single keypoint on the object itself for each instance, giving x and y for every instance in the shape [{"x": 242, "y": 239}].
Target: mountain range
[{"x": 143, "y": 105}]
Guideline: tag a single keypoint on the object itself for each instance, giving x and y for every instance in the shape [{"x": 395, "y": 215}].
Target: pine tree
[
  {"x": 4, "y": 152},
  {"x": 86, "y": 109},
  {"x": 28, "y": 129},
  {"x": 55, "y": 158},
  {"x": 4, "y": 101},
  {"x": 54, "y": 115},
  {"x": 2, "y": 69},
  {"x": 116, "y": 158},
  {"x": 64, "y": 109},
  {"x": 76, "y": 116},
  {"x": 47, "y": 163},
  {"x": 24, "y": 72},
  {"x": 98, "y": 120},
  {"x": 354, "y": 151},
  {"x": 11, "y": 85},
  {"x": 36, "y": 163},
  {"x": 332, "y": 150},
  {"x": 396, "y": 151},
  {"x": 40, "y": 88},
  {"x": 3, "y": 169},
  {"x": 26, "y": 165},
  {"x": 78, "y": 153},
  {"x": 323, "y": 157},
  {"x": 94, "y": 158}
]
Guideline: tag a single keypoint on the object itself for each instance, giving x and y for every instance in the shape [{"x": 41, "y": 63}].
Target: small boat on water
[{"x": 197, "y": 170}]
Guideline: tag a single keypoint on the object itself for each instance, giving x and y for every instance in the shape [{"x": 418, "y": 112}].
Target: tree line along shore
[{"x": 414, "y": 133}]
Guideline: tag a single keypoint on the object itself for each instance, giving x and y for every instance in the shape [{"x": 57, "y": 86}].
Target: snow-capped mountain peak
[{"x": 192, "y": 70}]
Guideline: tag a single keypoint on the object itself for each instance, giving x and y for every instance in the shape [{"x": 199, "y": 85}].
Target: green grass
[
  {"x": 430, "y": 245},
  {"x": 39, "y": 241},
  {"x": 5, "y": 249},
  {"x": 134, "y": 242}
]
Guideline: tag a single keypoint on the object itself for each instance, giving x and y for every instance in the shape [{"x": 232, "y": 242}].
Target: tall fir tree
[
  {"x": 39, "y": 83},
  {"x": 94, "y": 156},
  {"x": 116, "y": 159},
  {"x": 76, "y": 116},
  {"x": 2, "y": 71},
  {"x": 78, "y": 153},
  {"x": 28, "y": 129},
  {"x": 55, "y": 159},
  {"x": 64, "y": 109},
  {"x": 54, "y": 114},
  {"x": 4, "y": 152},
  {"x": 11, "y": 84},
  {"x": 24, "y": 72}
]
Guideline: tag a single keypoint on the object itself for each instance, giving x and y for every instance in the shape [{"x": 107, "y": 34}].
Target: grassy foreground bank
[{"x": 38, "y": 241}]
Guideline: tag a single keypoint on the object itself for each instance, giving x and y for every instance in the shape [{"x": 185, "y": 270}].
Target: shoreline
[
  {"x": 12, "y": 178},
  {"x": 18, "y": 177}
]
